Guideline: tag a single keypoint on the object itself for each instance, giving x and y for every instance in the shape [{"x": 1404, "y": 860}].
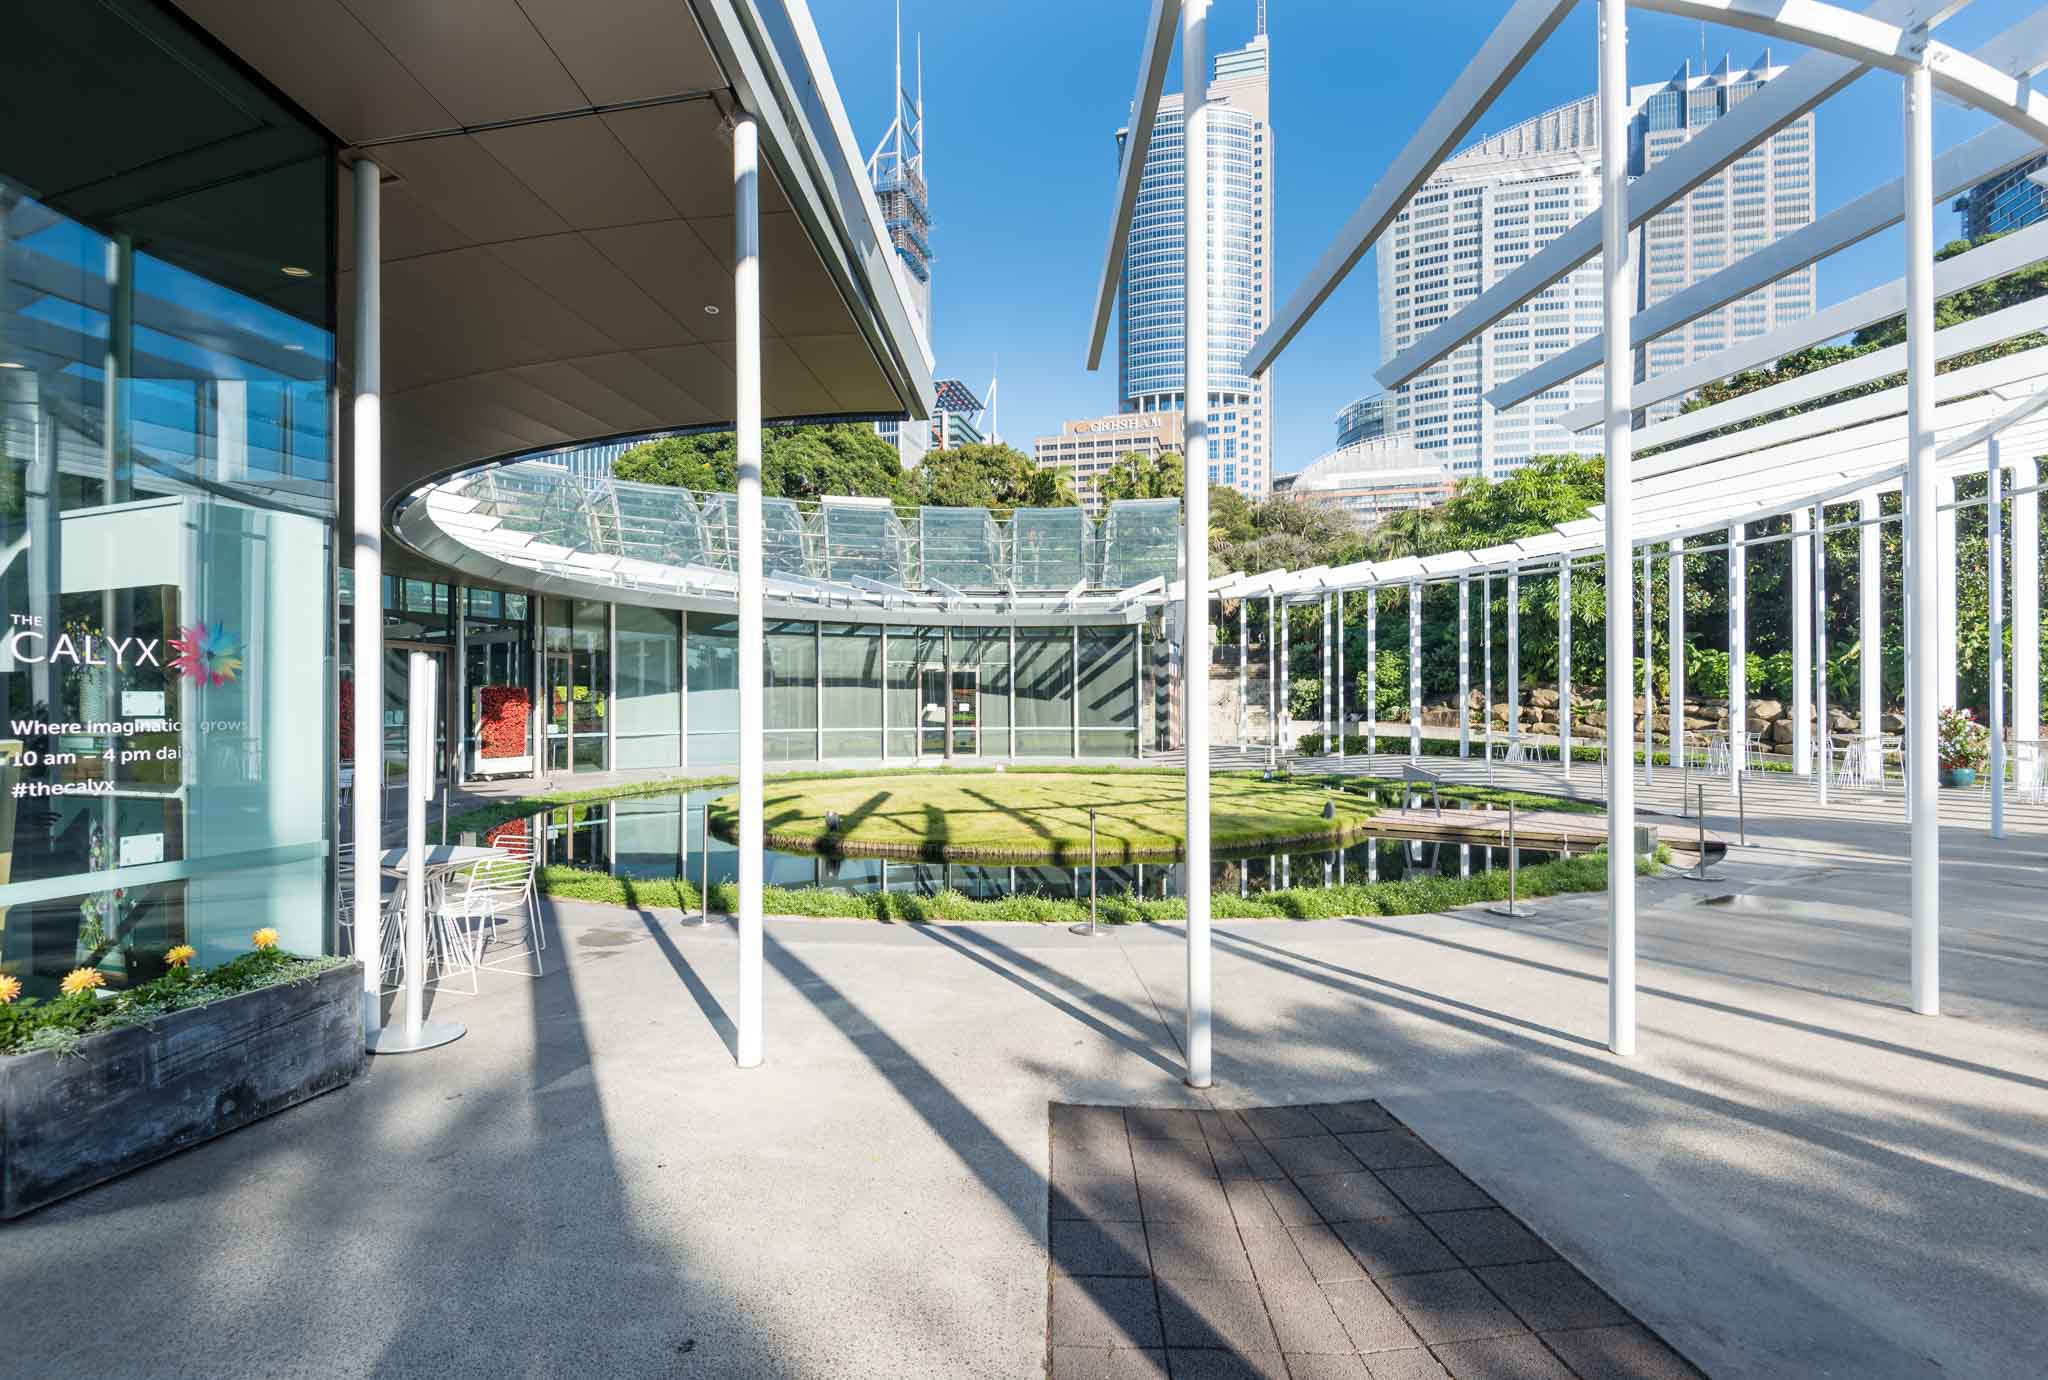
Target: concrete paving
[{"x": 1796, "y": 1177}]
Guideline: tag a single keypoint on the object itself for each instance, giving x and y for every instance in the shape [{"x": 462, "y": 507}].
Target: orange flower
[
  {"x": 10, "y": 988},
  {"x": 82, "y": 980},
  {"x": 179, "y": 955},
  {"x": 265, "y": 938}
]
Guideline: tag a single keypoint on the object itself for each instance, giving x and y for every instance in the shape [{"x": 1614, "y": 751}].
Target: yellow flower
[
  {"x": 265, "y": 938},
  {"x": 82, "y": 980},
  {"x": 180, "y": 955},
  {"x": 10, "y": 988}
]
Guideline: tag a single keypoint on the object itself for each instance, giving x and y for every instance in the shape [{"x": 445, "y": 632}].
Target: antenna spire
[{"x": 1261, "y": 29}]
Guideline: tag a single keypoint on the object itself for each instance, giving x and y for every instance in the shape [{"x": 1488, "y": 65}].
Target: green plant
[
  {"x": 1961, "y": 742},
  {"x": 60, "y": 1023}
]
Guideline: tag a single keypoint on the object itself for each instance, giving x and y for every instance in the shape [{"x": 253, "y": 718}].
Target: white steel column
[
  {"x": 1869, "y": 636},
  {"x": 1649, "y": 671},
  {"x": 1340, "y": 684},
  {"x": 1372, "y": 672},
  {"x": 1993, "y": 521},
  {"x": 1273, "y": 673},
  {"x": 1464, "y": 667},
  {"x": 1947, "y": 667},
  {"x": 2026, "y": 617},
  {"x": 1674, "y": 605},
  {"x": 1617, "y": 300},
  {"x": 1284, "y": 736},
  {"x": 1514, "y": 687},
  {"x": 1327, "y": 735},
  {"x": 1194, "y": 34},
  {"x": 1415, "y": 670},
  {"x": 1244, "y": 682},
  {"x": 1564, "y": 665},
  {"x": 1802, "y": 641},
  {"x": 746, "y": 179},
  {"x": 1820, "y": 650},
  {"x": 1486, "y": 671},
  {"x": 1922, "y": 594},
  {"x": 367, "y": 613},
  {"x": 1738, "y": 652}
]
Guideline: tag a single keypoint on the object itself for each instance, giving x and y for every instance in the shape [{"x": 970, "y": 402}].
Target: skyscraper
[
  {"x": 896, "y": 168},
  {"x": 2016, "y": 197},
  {"x": 1151, "y": 327},
  {"x": 1499, "y": 201}
]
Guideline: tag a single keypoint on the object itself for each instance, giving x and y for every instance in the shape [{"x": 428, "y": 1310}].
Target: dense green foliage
[
  {"x": 1133, "y": 475},
  {"x": 849, "y": 459},
  {"x": 60, "y": 1022}
]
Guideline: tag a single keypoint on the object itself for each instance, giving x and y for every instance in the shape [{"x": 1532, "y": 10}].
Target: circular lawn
[{"x": 1038, "y": 815}]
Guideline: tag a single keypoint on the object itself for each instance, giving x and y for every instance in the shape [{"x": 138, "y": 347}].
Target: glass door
[
  {"x": 932, "y": 712},
  {"x": 576, "y": 684},
  {"x": 966, "y": 711}
]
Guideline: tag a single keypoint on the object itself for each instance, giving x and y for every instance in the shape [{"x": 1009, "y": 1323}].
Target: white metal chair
[
  {"x": 482, "y": 898},
  {"x": 520, "y": 845}
]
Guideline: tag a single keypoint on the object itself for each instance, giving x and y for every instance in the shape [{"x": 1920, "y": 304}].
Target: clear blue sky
[{"x": 1022, "y": 98}]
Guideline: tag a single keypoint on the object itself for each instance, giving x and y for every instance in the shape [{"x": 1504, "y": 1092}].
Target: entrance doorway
[
  {"x": 954, "y": 710},
  {"x": 397, "y": 722}
]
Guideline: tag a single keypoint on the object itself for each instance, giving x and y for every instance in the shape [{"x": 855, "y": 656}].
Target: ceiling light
[
  {"x": 294, "y": 271},
  {"x": 295, "y": 349},
  {"x": 710, "y": 311},
  {"x": 11, "y": 364}
]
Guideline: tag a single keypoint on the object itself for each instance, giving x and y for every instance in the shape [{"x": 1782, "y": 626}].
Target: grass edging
[{"x": 1411, "y": 896}]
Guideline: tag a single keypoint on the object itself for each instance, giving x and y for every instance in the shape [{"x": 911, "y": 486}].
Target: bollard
[
  {"x": 703, "y": 915},
  {"x": 1091, "y": 929},
  {"x": 1698, "y": 873},
  {"x": 1514, "y": 865},
  {"x": 1741, "y": 814}
]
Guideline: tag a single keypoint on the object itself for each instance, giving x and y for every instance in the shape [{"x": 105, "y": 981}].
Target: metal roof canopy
[{"x": 557, "y": 213}]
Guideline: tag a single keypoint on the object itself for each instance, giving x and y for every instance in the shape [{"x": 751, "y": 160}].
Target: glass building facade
[
  {"x": 166, "y": 501},
  {"x": 1496, "y": 204},
  {"x": 2010, "y": 201}
]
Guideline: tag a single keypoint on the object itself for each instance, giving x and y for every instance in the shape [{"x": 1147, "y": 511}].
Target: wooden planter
[{"x": 130, "y": 1097}]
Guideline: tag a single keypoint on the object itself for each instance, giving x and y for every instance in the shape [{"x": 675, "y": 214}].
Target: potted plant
[
  {"x": 1961, "y": 744},
  {"x": 94, "y": 1083}
]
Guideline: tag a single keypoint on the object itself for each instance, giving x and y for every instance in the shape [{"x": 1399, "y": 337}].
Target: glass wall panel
[
  {"x": 1050, "y": 548},
  {"x": 1045, "y": 692},
  {"x": 910, "y": 651},
  {"x": 791, "y": 714},
  {"x": 1108, "y": 689},
  {"x": 986, "y": 651},
  {"x": 852, "y": 677},
  {"x": 498, "y": 679},
  {"x": 713, "y": 689},
  {"x": 650, "y": 699},
  {"x": 166, "y": 502}
]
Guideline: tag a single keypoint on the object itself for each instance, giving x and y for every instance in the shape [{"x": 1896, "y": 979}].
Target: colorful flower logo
[{"x": 207, "y": 654}]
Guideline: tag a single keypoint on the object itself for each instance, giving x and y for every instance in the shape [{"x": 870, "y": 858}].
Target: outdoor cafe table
[{"x": 440, "y": 855}]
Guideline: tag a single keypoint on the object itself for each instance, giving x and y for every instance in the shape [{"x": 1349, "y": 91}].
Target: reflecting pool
[{"x": 662, "y": 836}]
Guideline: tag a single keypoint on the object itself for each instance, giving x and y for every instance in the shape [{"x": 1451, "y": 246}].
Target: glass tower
[
  {"x": 1501, "y": 200},
  {"x": 1152, "y": 328}
]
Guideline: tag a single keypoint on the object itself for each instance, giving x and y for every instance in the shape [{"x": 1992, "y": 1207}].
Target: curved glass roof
[{"x": 545, "y": 516}]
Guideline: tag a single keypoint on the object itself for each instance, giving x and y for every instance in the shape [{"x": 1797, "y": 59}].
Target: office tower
[
  {"x": 896, "y": 168},
  {"x": 1501, "y": 200},
  {"x": 2014, "y": 198},
  {"x": 1086, "y": 447},
  {"x": 1151, "y": 325},
  {"x": 1363, "y": 420}
]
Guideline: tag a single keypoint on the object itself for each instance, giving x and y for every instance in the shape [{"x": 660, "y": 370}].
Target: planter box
[{"x": 131, "y": 1097}]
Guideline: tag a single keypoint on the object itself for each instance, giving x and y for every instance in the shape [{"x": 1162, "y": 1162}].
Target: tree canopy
[
  {"x": 796, "y": 462},
  {"x": 1137, "y": 475},
  {"x": 988, "y": 475}
]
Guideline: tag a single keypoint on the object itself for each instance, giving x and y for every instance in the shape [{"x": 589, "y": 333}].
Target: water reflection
[{"x": 662, "y": 837}]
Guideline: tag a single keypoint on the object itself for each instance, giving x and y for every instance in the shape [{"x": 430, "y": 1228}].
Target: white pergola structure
[{"x": 1916, "y": 438}]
